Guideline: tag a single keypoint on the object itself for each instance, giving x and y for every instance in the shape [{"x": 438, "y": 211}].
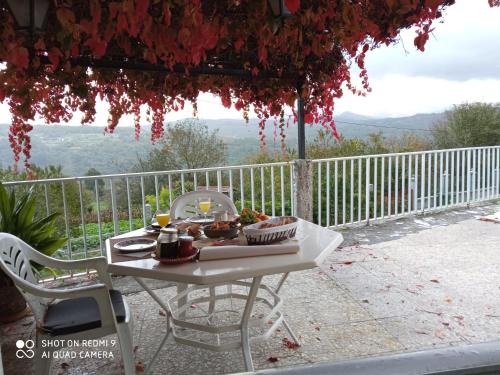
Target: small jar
[
  {"x": 219, "y": 216},
  {"x": 167, "y": 244},
  {"x": 185, "y": 246}
]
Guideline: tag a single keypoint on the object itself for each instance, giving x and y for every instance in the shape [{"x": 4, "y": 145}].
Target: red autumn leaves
[
  {"x": 316, "y": 43},
  {"x": 292, "y": 5}
]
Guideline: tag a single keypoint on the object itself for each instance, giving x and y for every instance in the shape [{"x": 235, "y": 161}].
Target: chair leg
[
  {"x": 42, "y": 365},
  {"x": 127, "y": 347}
]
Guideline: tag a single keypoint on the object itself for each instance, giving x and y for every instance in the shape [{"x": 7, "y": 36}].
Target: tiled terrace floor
[{"x": 405, "y": 285}]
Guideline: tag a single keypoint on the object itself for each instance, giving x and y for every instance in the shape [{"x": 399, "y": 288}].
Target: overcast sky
[{"x": 461, "y": 63}]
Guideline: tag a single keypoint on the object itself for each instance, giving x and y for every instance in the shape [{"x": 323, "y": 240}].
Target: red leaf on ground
[
  {"x": 347, "y": 262},
  {"x": 290, "y": 344},
  {"x": 269, "y": 322},
  {"x": 440, "y": 335},
  {"x": 139, "y": 366},
  {"x": 273, "y": 359}
]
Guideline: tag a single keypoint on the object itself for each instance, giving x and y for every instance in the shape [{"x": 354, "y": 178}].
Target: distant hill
[
  {"x": 78, "y": 148},
  {"x": 352, "y": 125}
]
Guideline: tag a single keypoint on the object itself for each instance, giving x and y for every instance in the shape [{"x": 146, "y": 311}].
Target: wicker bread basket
[{"x": 267, "y": 236}]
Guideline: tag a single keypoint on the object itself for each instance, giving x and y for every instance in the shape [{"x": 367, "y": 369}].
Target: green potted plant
[{"x": 17, "y": 216}]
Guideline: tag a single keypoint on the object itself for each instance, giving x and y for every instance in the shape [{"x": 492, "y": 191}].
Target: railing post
[
  {"x": 303, "y": 189},
  {"x": 469, "y": 175},
  {"x": 114, "y": 210}
]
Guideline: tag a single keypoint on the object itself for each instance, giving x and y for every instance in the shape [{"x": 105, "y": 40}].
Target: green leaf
[
  {"x": 25, "y": 210},
  {"x": 49, "y": 247},
  {"x": 18, "y": 218},
  {"x": 5, "y": 208}
]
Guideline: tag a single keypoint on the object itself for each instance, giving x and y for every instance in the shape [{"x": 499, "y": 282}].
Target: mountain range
[{"x": 78, "y": 148}]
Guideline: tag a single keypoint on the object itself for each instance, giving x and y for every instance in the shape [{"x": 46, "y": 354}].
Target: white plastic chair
[
  {"x": 183, "y": 206},
  {"x": 80, "y": 313}
]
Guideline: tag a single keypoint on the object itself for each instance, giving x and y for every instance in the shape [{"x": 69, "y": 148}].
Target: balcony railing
[
  {"x": 361, "y": 189},
  {"x": 347, "y": 191}
]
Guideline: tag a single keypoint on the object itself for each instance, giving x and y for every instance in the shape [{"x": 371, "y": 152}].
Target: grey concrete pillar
[{"x": 303, "y": 189}]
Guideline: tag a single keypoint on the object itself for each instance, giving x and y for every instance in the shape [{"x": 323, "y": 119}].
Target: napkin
[{"x": 238, "y": 251}]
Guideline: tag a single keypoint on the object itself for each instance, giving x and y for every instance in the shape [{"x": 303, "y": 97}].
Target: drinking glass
[
  {"x": 204, "y": 204},
  {"x": 163, "y": 218}
]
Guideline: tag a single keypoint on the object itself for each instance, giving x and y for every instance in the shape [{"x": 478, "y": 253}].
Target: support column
[
  {"x": 303, "y": 189},
  {"x": 301, "y": 135}
]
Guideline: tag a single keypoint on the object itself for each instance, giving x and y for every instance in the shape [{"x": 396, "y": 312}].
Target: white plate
[
  {"x": 200, "y": 219},
  {"x": 136, "y": 244},
  {"x": 152, "y": 230}
]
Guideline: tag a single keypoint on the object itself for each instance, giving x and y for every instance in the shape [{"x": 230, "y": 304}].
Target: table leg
[
  {"x": 292, "y": 334},
  {"x": 245, "y": 340},
  {"x": 181, "y": 287},
  {"x": 211, "y": 303},
  {"x": 153, "y": 359},
  {"x": 285, "y": 323},
  {"x": 158, "y": 300},
  {"x": 281, "y": 282}
]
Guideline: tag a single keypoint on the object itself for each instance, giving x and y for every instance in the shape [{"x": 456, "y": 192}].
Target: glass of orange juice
[
  {"x": 204, "y": 204},
  {"x": 163, "y": 218}
]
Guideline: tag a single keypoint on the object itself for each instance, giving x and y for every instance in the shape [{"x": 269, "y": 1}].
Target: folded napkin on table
[{"x": 239, "y": 251}]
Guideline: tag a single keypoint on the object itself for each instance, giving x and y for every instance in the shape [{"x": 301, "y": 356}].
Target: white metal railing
[
  {"x": 347, "y": 190},
  {"x": 362, "y": 189},
  {"x": 95, "y": 208}
]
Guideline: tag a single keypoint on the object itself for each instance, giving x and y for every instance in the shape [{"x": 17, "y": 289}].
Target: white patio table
[{"x": 316, "y": 243}]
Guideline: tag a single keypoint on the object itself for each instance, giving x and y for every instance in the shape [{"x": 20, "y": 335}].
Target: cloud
[
  {"x": 399, "y": 95},
  {"x": 465, "y": 46}
]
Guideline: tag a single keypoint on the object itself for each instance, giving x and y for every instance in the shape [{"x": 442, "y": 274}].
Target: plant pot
[{"x": 13, "y": 306}]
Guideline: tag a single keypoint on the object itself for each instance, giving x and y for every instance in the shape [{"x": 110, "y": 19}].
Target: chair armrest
[
  {"x": 94, "y": 263},
  {"x": 100, "y": 264},
  {"x": 99, "y": 292}
]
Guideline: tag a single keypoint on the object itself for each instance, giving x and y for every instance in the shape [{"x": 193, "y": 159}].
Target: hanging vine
[{"x": 46, "y": 77}]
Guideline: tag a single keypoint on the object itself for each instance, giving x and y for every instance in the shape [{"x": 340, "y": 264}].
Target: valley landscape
[{"x": 79, "y": 148}]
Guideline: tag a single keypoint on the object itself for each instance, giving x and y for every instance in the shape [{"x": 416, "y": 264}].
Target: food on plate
[
  {"x": 221, "y": 225},
  {"x": 182, "y": 227},
  {"x": 194, "y": 230},
  {"x": 227, "y": 229},
  {"x": 249, "y": 216},
  {"x": 282, "y": 221}
]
